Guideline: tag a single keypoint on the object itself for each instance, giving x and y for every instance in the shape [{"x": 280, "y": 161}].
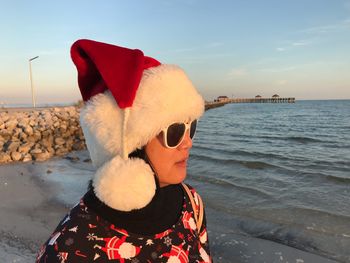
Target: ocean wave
[
  {"x": 240, "y": 152},
  {"x": 222, "y": 182},
  {"x": 303, "y": 139},
  {"x": 248, "y": 164},
  {"x": 338, "y": 179}
]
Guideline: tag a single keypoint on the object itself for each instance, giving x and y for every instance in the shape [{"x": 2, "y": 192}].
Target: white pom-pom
[{"x": 125, "y": 184}]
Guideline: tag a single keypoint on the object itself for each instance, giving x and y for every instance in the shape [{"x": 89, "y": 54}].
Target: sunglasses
[{"x": 174, "y": 134}]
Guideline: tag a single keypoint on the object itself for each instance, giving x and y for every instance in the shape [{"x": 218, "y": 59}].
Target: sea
[{"x": 279, "y": 172}]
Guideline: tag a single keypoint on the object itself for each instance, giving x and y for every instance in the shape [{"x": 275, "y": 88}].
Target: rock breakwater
[{"x": 39, "y": 134}]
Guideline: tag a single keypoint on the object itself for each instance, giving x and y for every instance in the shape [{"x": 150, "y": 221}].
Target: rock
[
  {"x": 51, "y": 150},
  {"x": 63, "y": 116},
  {"x": 25, "y": 148},
  {"x": 28, "y": 130},
  {"x": 27, "y": 158},
  {"x": 16, "y": 156},
  {"x": 47, "y": 142},
  {"x": 32, "y": 123},
  {"x": 59, "y": 141},
  {"x": 61, "y": 151},
  {"x": 41, "y": 156},
  {"x": 37, "y": 135},
  {"x": 4, "y": 117},
  {"x": 67, "y": 134},
  {"x": 36, "y": 151},
  {"x": 15, "y": 135},
  {"x": 23, "y": 136},
  {"x": 11, "y": 124},
  {"x": 31, "y": 139},
  {"x": 42, "y": 123},
  {"x": 63, "y": 127},
  {"x": 12, "y": 146},
  {"x": 22, "y": 122},
  {"x": 4, "y": 157},
  {"x": 80, "y": 145},
  {"x": 5, "y": 134},
  {"x": 46, "y": 133}
]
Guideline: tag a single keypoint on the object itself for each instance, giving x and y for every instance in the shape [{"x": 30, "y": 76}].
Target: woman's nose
[{"x": 187, "y": 141}]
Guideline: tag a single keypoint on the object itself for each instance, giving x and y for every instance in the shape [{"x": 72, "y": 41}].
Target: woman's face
[{"x": 169, "y": 164}]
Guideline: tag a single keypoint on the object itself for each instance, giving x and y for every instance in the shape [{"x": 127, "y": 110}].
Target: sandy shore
[{"x": 35, "y": 196}]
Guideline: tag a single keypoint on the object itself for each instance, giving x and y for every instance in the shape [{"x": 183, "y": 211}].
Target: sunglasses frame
[{"x": 187, "y": 128}]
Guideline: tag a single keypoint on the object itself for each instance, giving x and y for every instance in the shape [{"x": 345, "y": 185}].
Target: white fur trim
[
  {"x": 101, "y": 122},
  {"x": 125, "y": 184}
]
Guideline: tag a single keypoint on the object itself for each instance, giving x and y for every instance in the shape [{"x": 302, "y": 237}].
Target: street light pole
[{"x": 31, "y": 79}]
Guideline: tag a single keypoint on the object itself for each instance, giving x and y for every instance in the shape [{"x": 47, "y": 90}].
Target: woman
[{"x": 138, "y": 120}]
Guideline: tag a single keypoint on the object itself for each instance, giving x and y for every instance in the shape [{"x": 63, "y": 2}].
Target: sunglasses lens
[
  {"x": 175, "y": 133},
  {"x": 193, "y": 128}
]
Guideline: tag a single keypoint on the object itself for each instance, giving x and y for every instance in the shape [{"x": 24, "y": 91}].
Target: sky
[{"x": 294, "y": 48}]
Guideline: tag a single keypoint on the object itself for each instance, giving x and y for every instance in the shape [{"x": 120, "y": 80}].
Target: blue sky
[{"x": 235, "y": 48}]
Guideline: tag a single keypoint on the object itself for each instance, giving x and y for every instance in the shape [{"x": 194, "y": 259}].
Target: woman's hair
[{"x": 138, "y": 153}]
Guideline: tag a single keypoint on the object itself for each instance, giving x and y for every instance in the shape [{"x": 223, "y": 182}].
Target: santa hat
[{"x": 129, "y": 99}]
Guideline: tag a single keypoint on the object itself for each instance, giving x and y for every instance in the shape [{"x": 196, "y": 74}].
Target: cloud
[
  {"x": 275, "y": 70},
  {"x": 238, "y": 72},
  {"x": 214, "y": 44},
  {"x": 301, "y": 43},
  {"x": 343, "y": 25},
  {"x": 282, "y": 82},
  {"x": 289, "y": 45}
]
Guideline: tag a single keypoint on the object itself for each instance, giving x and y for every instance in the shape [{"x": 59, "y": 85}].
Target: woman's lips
[{"x": 182, "y": 163}]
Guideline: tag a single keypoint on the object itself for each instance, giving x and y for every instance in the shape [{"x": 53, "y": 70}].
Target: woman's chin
[{"x": 178, "y": 177}]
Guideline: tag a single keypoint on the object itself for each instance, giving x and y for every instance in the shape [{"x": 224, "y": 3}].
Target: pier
[
  {"x": 221, "y": 101},
  {"x": 213, "y": 104},
  {"x": 262, "y": 100}
]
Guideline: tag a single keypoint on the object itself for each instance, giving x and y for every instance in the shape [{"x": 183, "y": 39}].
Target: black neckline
[{"x": 159, "y": 215}]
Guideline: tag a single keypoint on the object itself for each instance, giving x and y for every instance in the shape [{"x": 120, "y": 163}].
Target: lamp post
[{"x": 31, "y": 79}]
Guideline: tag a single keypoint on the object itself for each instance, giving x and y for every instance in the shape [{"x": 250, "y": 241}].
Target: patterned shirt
[{"x": 85, "y": 236}]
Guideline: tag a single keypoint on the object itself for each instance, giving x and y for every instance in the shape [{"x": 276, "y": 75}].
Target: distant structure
[
  {"x": 259, "y": 99},
  {"x": 222, "y": 99}
]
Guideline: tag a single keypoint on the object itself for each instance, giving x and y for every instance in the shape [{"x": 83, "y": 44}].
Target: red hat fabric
[{"x": 103, "y": 66}]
